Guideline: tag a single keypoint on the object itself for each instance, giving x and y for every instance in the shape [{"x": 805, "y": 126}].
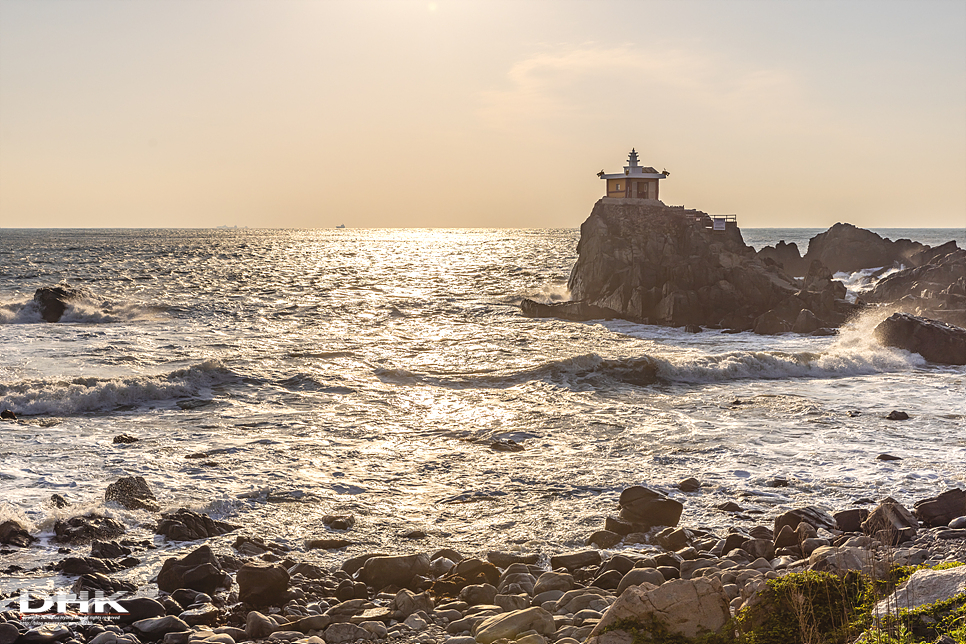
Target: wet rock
[
  {"x": 939, "y": 510},
  {"x": 689, "y": 485},
  {"x": 204, "y": 614},
  {"x": 58, "y": 501},
  {"x": 83, "y": 529},
  {"x": 124, "y": 439},
  {"x": 199, "y": 570},
  {"x": 577, "y": 311},
  {"x": 262, "y": 584},
  {"x": 844, "y": 247},
  {"x": 6, "y": 414},
  {"x": 603, "y": 539},
  {"x": 478, "y": 594},
  {"x": 889, "y": 457},
  {"x": 139, "y": 608},
  {"x": 339, "y": 521},
  {"x": 507, "y": 559},
  {"x": 258, "y": 626},
  {"x": 729, "y": 506},
  {"x": 94, "y": 582},
  {"x": 186, "y": 525},
  {"x": 46, "y": 634},
  {"x": 133, "y": 493},
  {"x": 933, "y": 340},
  {"x": 53, "y": 300},
  {"x": 86, "y": 565},
  {"x": 14, "y": 534},
  {"x": 958, "y": 523},
  {"x": 807, "y": 322},
  {"x": 890, "y": 517},
  {"x": 506, "y": 445},
  {"x": 344, "y": 632},
  {"x": 641, "y": 505},
  {"x": 897, "y": 415},
  {"x": 787, "y": 256},
  {"x": 398, "y": 570},
  {"x": 108, "y": 550},
  {"x": 8, "y": 633},
  {"x": 689, "y": 608}
]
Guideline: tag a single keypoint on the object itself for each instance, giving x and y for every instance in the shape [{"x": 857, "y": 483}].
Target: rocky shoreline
[{"x": 640, "y": 572}]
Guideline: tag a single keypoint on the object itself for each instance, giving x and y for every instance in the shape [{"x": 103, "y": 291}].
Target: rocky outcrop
[
  {"x": 935, "y": 341},
  {"x": 787, "y": 256},
  {"x": 133, "y": 493},
  {"x": 14, "y": 534},
  {"x": 934, "y": 289},
  {"x": 199, "y": 570},
  {"x": 186, "y": 525},
  {"x": 846, "y": 248},
  {"x": 53, "y": 300}
]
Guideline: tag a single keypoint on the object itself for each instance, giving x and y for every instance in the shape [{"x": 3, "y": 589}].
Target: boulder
[
  {"x": 258, "y": 626},
  {"x": 139, "y": 608},
  {"x": 406, "y": 602},
  {"x": 83, "y": 529},
  {"x": 638, "y": 576},
  {"x": 53, "y": 300},
  {"x": 851, "y": 520},
  {"x": 936, "y": 288},
  {"x": 574, "y": 560},
  {"x": 133, "y": 493},
  {"x": 890, "y": 518},
  {"x": 339, "y": 521},
  {"x": 14, "y": 534},
  {"x": 186, "y": 525},
  {"x": 154, "y": 628},
  {"x": 846, "y": 248},
  {"x": 603, "y": 539},
  {"x": 922, "y": 588},
  {"x": 199, "y": 570},
  {"x": 344, "y": 632},
  {"x": 641, "y": 505},
  {"x": 813, "y": 515},
  {"x": 510, "y": 625},
  {"x": 935, "y": 341},
  {"x": 109, "y": 550},
  {"x": 576, "y": 311},
  {"x": 397, "y": 570},
  {"x": 937, "y": 511},
  {"x": 687, "y": 608},
  {"x": 553, "y": 580},
  {"x": 262, "y": 584}
]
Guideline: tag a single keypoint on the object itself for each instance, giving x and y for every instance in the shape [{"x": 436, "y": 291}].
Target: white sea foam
[
  {"x": 88, "y": 310},
  {"x": 77, "y": 395}
]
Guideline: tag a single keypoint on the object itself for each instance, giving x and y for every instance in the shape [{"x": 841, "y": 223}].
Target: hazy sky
[{"x": 456, "y": 113}]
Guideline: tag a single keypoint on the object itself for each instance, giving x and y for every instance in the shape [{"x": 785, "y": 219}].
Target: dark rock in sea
[
  {"x": 935, "y": 287},
  {"x": 397, "y": 570},
  {"x": 820, "y": 303},
  {"x": 6, "y": 414},
  {"x": 133, "y": 493},
  {"x": 897, "y": 415},
  {"x": 199, "y": 570},
  {"x": 14, "y": 534},
  {"x": 844, "y": 247},
  {"x": 693, "y": 328},
  {"x": 816, "y": 517},
  {"x": 935, "y": 341},
  {"x": 108, "y": 550},
  {"x": 339, "y": 521},
  {"x": 576, "y": 311},
  {"x": 125, "y": 438},
  {"x": 641, "y": 505},
  {"x": 327, "y": 544},
  {"x": 53, "y": 300},
  {"x": 507, "y": 559},
  {"x": 58, "y": 501},
  {"x": 851, "y": 520},
  {"x": 413, "y": 534},
  {"x": 91, "y": 565},
  {"x": 187, "y": 525},
  {"x": 603, "y": 539},
  {"x": 940, "y": 510},
  {"x": 778, "y": 481},
  {"x": 690, "y": 484},
  {"x": 506, "y": 445},
  {"x": 94, "y": 582},
  {"x": 8, "y": 633},
  {"x": 83, "y": 529},
  {"x": 729, "y": 506},
  {"x": 262, "y": 584},
  {"x": 888, "y": 457}
]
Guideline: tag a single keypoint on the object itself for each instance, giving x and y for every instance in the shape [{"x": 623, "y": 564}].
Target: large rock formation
[
  {"x": 53, "y": 300},
  {"x": 934, "y": 341},
  {"x": 650, "y": 263},
  {"x": 787, "y": 256},
  {"x": 935, "y": 287},
  {"x": 843, "y": 247}
]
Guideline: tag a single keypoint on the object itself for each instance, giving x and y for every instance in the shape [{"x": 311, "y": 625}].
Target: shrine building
[{"x": 636, "y": 182}]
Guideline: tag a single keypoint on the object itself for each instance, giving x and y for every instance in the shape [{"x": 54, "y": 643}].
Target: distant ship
[{"x": 341, "y": 226}]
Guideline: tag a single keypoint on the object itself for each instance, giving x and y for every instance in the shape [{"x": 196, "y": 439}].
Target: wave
[
  {"x": 82, "y": 310},
  {"x": 79, "y": 395}
]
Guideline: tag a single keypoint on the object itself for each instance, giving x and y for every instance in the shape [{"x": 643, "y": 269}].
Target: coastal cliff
[{"x": 646, "y": 262}]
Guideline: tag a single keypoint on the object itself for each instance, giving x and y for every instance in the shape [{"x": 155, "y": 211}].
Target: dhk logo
[{"x": 81, "y": 604}]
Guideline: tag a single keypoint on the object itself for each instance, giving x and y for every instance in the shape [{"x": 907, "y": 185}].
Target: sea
[{"x": 273, "y": 377}]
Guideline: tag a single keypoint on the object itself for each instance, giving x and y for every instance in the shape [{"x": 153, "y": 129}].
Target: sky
[{"x": 311, "y": 114}]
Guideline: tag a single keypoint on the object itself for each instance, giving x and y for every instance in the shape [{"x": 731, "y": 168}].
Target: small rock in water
[
  {"x": 693, "y": 328},
  {"x": 327, "y": 544},
  {"x": 6, "y": 414},
  {"x": 58, "y": 501},
  {"x": 506, "y": 445},
  {"x": 414, "y": 534},
  {"x": 125, "y": 438},
  {"x": 958, "y": 523},
  {"x": 133, "y": 493},
  {"x": 729, "y": 506},
  {"x": 14, "y": 534},
  {"x": 897, "y": 415},
  {"x": 887, "y": 457},
  {"x": 778, "y": 481},
  {"x": 689, "y": 485}
]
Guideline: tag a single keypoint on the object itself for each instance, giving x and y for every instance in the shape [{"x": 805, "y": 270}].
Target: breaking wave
[
  {"x": 78, "y": 395},
  {"x": 83, "y": 310}
]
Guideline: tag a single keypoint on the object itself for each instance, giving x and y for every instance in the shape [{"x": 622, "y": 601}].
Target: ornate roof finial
[{"x": 632, "y": 158}]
